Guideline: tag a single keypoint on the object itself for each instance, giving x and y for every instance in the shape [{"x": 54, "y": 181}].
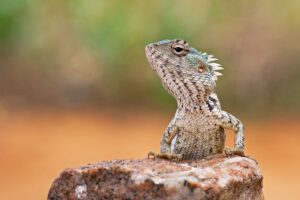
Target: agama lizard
[{"x": 197, "y": 129}]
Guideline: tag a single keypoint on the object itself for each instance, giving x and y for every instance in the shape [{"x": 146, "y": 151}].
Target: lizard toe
[{"x": 234, "y": 151}]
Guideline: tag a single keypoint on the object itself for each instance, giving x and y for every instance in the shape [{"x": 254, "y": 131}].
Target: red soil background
[{"x": 37, "y": 145}]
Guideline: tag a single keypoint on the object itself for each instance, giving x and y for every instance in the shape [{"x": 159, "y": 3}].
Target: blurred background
[{"x": 75, "y": 86}]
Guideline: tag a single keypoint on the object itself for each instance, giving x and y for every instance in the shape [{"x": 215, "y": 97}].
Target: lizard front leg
[
  {"x": 226, "y": 120},
  {"x": 166, "y": 148},
  {"x": 167, "y": 139}
]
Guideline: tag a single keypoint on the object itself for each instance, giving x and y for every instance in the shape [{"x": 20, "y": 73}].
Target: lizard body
[{"x": 197, "y": 129}]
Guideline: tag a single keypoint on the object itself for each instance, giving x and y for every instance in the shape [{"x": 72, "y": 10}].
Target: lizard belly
[{"x": 197, "y": 145}]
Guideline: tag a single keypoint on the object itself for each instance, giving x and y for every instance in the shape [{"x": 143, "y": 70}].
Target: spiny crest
[{"x": 213, "y": 65}]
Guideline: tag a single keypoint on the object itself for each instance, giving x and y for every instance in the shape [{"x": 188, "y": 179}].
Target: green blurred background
[
  {"x": 75, "y": 69},
  {"x": 87, "y": 53}
]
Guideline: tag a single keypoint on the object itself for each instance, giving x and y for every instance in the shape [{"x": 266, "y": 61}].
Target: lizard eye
[{"x": 180, "y": 48}]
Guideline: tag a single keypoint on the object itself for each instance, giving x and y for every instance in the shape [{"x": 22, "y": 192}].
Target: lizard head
[{"x": 179, "y": 65}]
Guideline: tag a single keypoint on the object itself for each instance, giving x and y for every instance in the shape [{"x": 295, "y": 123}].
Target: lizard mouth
[
  {"x": 149, "y": 50},
  {"x": 153, "y": 55},
  {"x": 150, "y": 54}
]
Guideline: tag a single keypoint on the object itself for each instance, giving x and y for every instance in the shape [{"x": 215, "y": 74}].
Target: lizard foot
[
  {"x": 166, "y": 156},
  {"x": 234, "y": 151},
  {"x": 151, "y": 154}
]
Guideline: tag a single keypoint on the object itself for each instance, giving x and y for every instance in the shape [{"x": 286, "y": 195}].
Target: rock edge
[{"x": 216, "y": 178}]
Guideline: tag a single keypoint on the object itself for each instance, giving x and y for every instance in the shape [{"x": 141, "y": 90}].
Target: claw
[
  {"x": 234, "y": 151},
  {"x": 151, "y": 154},
  {"x": 166, "y": 156},
  {"x": 176, "y": 158}
]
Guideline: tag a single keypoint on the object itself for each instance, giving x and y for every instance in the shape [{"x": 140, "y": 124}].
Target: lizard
[{"x": 197, "y": 129}]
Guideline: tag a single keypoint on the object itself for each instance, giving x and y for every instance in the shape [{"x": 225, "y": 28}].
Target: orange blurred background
[
  {"x": 37, "y": 145},
  {"x": 75, "y": 86}
]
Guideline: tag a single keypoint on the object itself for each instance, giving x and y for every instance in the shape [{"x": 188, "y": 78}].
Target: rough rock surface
[{"x": 215, "y": 178}]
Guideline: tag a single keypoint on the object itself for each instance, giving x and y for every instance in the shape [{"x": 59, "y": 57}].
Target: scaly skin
[{"x": 197, "y": 129}]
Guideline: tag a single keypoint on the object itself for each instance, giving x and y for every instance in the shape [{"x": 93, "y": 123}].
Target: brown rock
[{"x": 215, "y": 178}]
